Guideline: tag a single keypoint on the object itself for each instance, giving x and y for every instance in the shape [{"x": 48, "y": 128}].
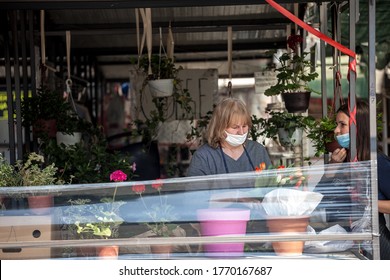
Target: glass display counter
[{"x": 229, "y": 215}]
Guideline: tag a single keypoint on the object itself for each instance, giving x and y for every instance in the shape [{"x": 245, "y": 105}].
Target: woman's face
[
  {"x": 342, "y": 121},
  {"x": 238, "y": 126}
]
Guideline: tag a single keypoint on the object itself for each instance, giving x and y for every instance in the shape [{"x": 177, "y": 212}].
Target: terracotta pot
[
  {"x": 296, "y": 102},
  {"x": 48, "y": 127},
  {"x": 40, "y": 204},
  {"x": 286, "y": 225},
  {"x": 331, "y": 146},
  {"x": 108, "y": 252},
  {"x": 165, "y": 249}
]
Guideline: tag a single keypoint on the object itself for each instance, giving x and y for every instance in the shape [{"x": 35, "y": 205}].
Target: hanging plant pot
[
  {"x": 296, "y": 102},
  {"x": 333, "y": 145},
  {"x": 68, "y": 139},
  {"x": 290, "y": 140},
  {"x": 161, "y": 87}
]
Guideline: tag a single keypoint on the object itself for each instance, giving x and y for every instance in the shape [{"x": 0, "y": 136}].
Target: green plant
[
  {"x": 269, "y": 127},
  {"x": 320, "y": 132},
  {"x": 162, "y": 67},
  {"x": 165, "y": 108},
  {"x": 87, "y": 162},
  {"x": 101, "y": 219},
  {"x": 161, "y": 214},
  {"x": 48, "y": 105},
  {"x": 295, "y": 71},
  {"x": 8, "y": 174}
]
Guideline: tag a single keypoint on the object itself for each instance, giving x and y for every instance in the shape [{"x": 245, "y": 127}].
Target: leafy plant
[
  {"x": 49, "y": 105},
  {"x": 289, "y": 121},
  {"x": 164, "y": 107},
  {"x": 8, "y": 175},
  {"x": 295, "y": 71},
  {"x": 320, "y": 132},
  {"x": 161, "y": 214}
]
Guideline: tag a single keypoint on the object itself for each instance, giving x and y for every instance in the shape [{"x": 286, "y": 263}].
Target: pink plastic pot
[{"x": 223, "y": 221}]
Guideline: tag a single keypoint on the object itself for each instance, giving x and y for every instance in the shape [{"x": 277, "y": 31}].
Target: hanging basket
[
  {"x": 161, "y": 88},
  {"x": 296, "y": 102}
]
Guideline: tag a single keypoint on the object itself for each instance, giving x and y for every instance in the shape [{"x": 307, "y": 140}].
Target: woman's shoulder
[
  {"x": 205, "y": 148},
  {"x": 250, "y": 144}
]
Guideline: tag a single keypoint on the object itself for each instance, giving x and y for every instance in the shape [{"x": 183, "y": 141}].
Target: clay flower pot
[
  {"x": 107, "y": 252},
  {"x": 286, "y": 225}
]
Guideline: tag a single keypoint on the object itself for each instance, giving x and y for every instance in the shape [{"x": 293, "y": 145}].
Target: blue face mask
[{"x": 343, "y": 140}]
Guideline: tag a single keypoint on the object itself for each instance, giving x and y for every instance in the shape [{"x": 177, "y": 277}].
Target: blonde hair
[{"x": 225, "y": 114}]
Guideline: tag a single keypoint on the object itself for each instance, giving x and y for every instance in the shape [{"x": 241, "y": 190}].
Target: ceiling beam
[{"x": 123, "y": 4}]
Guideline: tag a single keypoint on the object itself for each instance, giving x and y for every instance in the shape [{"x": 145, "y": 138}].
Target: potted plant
[
  {"x": 294, "y": 75},
  {"x": 285, "y": 127},
  {"x": 287, "y": 206},
  {"x": 42, "y": 111},
  {"x": 84, "y": 219},
  {"x": 34, "y": 172},
  {"x": 52, "y": 116},
  {"x": 161, "y": 75},
  {"x": 159, "y": 215},
  {"x": 320, "y": 132}
]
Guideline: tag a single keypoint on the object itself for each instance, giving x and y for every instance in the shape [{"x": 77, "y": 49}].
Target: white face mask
[{"x": 235, "y": 139}]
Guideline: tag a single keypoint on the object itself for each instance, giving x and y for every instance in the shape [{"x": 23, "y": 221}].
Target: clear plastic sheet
[{"x": 145, "y": 213}]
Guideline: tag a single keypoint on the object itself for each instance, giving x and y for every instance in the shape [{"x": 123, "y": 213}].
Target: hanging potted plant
[
  {"x": 161, "y": 75},
  {"x": 287, "y": 128},
  {"x": 294, "y": 75}
]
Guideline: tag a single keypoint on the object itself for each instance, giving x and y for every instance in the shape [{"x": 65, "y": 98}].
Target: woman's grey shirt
[{"x": 209, "y": 161}]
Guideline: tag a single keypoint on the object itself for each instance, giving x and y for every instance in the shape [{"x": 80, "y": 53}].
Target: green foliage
[
  {"x": 88, "y": 220},
  {"x": 85, "y": 163},
  {"x": 47, "y": 105},
  {"x": 164, "y": 107},
  {"x": 8, "y": 174},
  {"x": 162, "y": 67},
  {"x": 320, "y": 132},
  {"x": 33, "y": 173},
  {"x": 294, "y": 74},
  {"x": 269, "y": 128}
]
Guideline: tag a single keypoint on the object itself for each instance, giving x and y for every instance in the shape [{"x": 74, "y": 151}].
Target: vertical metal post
[
  {"x": 352, "y": 76},
  {"x": 14, "y": 22},
  {"x": 11, "y": 128},
  {"x": 373, "y": 132},
  {"x": 323, "y": 29}
]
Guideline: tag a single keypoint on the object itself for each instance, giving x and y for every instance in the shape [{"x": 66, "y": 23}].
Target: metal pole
[{"x": 373, "y": 132}]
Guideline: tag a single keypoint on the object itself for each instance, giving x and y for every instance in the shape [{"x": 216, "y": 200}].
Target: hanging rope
[
  {"x": 43, "y": 44},
  {"x": 68, "y": 81},
  {"x": 148, "y": 17},
  {"x": 170, "y": 43},
  {"x": 230, "y": 55}
]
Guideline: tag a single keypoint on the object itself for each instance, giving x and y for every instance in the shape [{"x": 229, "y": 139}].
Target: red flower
[
  {"x": 138, "y": 189},
  {"x": 157, "y": 185},
  {"x": 261, "y": 167},
  {"x": 294, "y": 41},
  {"x": 281, "y": 167},
  {"x": 118, "y": 176}
]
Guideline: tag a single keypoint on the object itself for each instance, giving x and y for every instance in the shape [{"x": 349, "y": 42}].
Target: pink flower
[
  {"x": 138, "y": 189},
  {"x": 118, "y": 176},
  {"x": 157, "y": 185}
]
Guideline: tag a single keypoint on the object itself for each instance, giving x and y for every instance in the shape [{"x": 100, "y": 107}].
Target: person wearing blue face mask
[
  {"x": 363, "y": 153},
  {"x": 228, "y": 148}
]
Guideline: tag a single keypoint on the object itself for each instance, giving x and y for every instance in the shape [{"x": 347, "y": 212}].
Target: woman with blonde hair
[{"x": 228, "y": 148}]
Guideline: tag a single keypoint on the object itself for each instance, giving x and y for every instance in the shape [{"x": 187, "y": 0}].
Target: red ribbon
[{"x": 323, "y": 37}]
